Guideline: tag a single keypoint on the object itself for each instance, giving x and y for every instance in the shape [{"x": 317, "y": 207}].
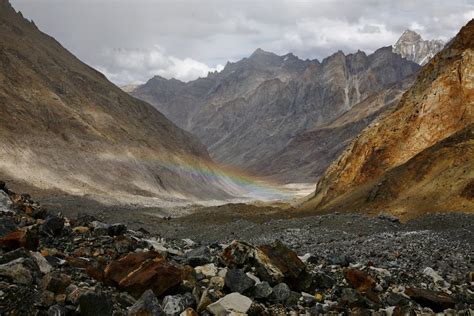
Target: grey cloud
[{"x": 130, "y": 41}]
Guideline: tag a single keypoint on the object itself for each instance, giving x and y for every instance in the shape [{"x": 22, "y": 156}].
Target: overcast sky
[{"x": 130, "y": 41}]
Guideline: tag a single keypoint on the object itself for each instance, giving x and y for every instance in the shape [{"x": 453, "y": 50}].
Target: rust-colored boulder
[
  {"x": 437, "y": 301},
  {"x": 359, "y": 280},
  {"x": 22, "y": 238},
  {"x": 137, "y": 272}
]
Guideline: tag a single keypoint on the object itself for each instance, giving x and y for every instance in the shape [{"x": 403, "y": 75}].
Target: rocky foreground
[{"x": 52, "y": 265}]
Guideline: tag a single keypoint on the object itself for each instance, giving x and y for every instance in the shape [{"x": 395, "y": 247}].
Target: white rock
[
  {"x": 43, "y": 264},
  {"x": 382, "y": 272},
  {"x": 209, "y": 270},
  {"x": 232, "y": 303},
  {"x": 305, "y": 257},
  {"x": 254, "y": 277},
  {"x": 188, "y": 242},
  {"x": 5, "y": 202},
  {"x": 437, "y": 279}
]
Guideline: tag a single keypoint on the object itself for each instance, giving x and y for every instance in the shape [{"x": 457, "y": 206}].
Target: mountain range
[
  {"x": 413, "y": 47},
  {"x": 257, "y": 110}
]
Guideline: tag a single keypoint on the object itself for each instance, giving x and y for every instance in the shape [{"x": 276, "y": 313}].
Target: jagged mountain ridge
[
  {"x": 251, "y": 110},
  {"x": 65, "y": 127},
  {"x": 413, "y": 47},
  {"x": 418, "y": 157}
]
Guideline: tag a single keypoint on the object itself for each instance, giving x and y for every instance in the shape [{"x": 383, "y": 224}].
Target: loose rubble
[{"x": 53, "y": 265}]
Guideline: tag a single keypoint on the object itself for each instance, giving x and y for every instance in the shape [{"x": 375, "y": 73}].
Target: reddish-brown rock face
[
  {"x": 439, "y": 105},
  {"x": 21, "y": 238},
  {"x": 137, "y": 272},
  {"x": 359, "y": 280}
]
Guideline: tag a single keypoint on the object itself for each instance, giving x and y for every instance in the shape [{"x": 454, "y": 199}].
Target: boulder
[
  {"x": 7, "y": 225},
  {"x": 53, "y": 225},
  {"x": 173, "y": 305},
  {"x": 237, "y": 281},
  {"x": 147, "y": 305},
  {"x": 56, "y": 282},
  {"x": 22, "y": 238},
  {"x": 262, "y": 290},
  {"x": 116, "y": 229},
  {"x": 437, "y": 301},
  {"x": 95, "y": 304},
  {"x": 5, "y": 202},
  {"x": 280, "y": 293},
  {"x": 18, "y": 271},
  {"x": 139, "y": 271},
  {"x": 198, "y": 257},
  {"x": 42, "y": 263},
  {"x": 231, "y": 303},
  {"x": 208, "y": 270},
  {"x": 359, "y": 280},
  {"x": 189, "y": 312},
  {"x": 273, "y": 263}
]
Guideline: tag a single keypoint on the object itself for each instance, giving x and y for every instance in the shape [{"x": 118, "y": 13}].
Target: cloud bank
[{"x": 133, "y": 40}]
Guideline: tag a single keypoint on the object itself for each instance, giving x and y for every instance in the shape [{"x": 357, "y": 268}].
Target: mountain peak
[
  {"x": 411, "y": 46},
  {"x": 260, "y": 52},
  {"x": 410, "y": 36}
]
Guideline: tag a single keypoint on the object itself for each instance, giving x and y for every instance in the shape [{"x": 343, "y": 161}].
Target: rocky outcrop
[
  {"x": 418, "y": 151},
  {"x": 65, "y": 128},
  {"x": 413, "y": 47},
  {"x": 248, "y": 113}
]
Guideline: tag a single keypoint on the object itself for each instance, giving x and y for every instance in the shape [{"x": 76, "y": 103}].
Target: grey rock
[
  {"x": 7, "y": 225},
  {"x": 53, "y": 225},
  {"x": 412, "y": 47},
  {"x": 18, "y": 271},
  {"x": 175, "y": 304},
  {"x": 5, "y": 202},
  {"x": 95, "y": 304},
  {"x": 280, "y": 293},
  {"x": 57, "y": 310},
  {"x": 233, "y": 302},
  {"x": 198, "y": 257},
  {"x": 237, "y": 281},
  {"x": 147, "y": 305},
  {"x": 262, "y": 290}
]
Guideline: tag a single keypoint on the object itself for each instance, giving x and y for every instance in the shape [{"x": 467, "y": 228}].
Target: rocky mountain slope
[
  {"x": 64, "y": 127},
  {"x": 413, "y": 47},
  {"x": 418, "y": 156},
  {"x": 248, "y": 113}
]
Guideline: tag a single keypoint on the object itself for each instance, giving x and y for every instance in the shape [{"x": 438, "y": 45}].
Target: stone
[
  {"x": 22, "y": 238},
  {"x": 209, "y": 270},
  {"x": 80, "y": 229},
  {"x": 99, "y": 228},
  {"x": 231, "y": 303},
  {"x": 126, "y": 299},
  {"x": 173, "y": 305},
  {"x": 116, "y": 229},
  {"x": 76, "y": 294},
  {"x": 57, "y": 310},
  {"x": 273, "y": 263},
  {"x": 95, "y": 304},
  {"x": 7, "y": 226},
  {"x": 189, "y": 312},
  {"x": 280, "y": 293},
  {"x": 56, "y": 282},
  {"x": 237, "y": 281},
  {"x": 42, "y": 263},
  {"x": 5, "y": 202},
  {"x": 359, "y": 280},
  {"x": 18, "y": 271},
  {"x": 53, "y": 225},
  {"x": 147, "y": 305},
  {"x": 437, "y": 279},
  {"x": 262, "y": 290},
  {"x": 339, "y": 260},
  {"x": 139, "y": 271},
  {"x": 437, "y": 301},
  {"x": 470, "y": 277},
  {"x": 47, "y": 298},
  {"x": 198, "y": 257},
  {"x": 323, "y": 281}
]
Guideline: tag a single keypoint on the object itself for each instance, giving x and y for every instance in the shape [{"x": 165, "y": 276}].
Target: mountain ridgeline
[{"x": 258, "y": 110}]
